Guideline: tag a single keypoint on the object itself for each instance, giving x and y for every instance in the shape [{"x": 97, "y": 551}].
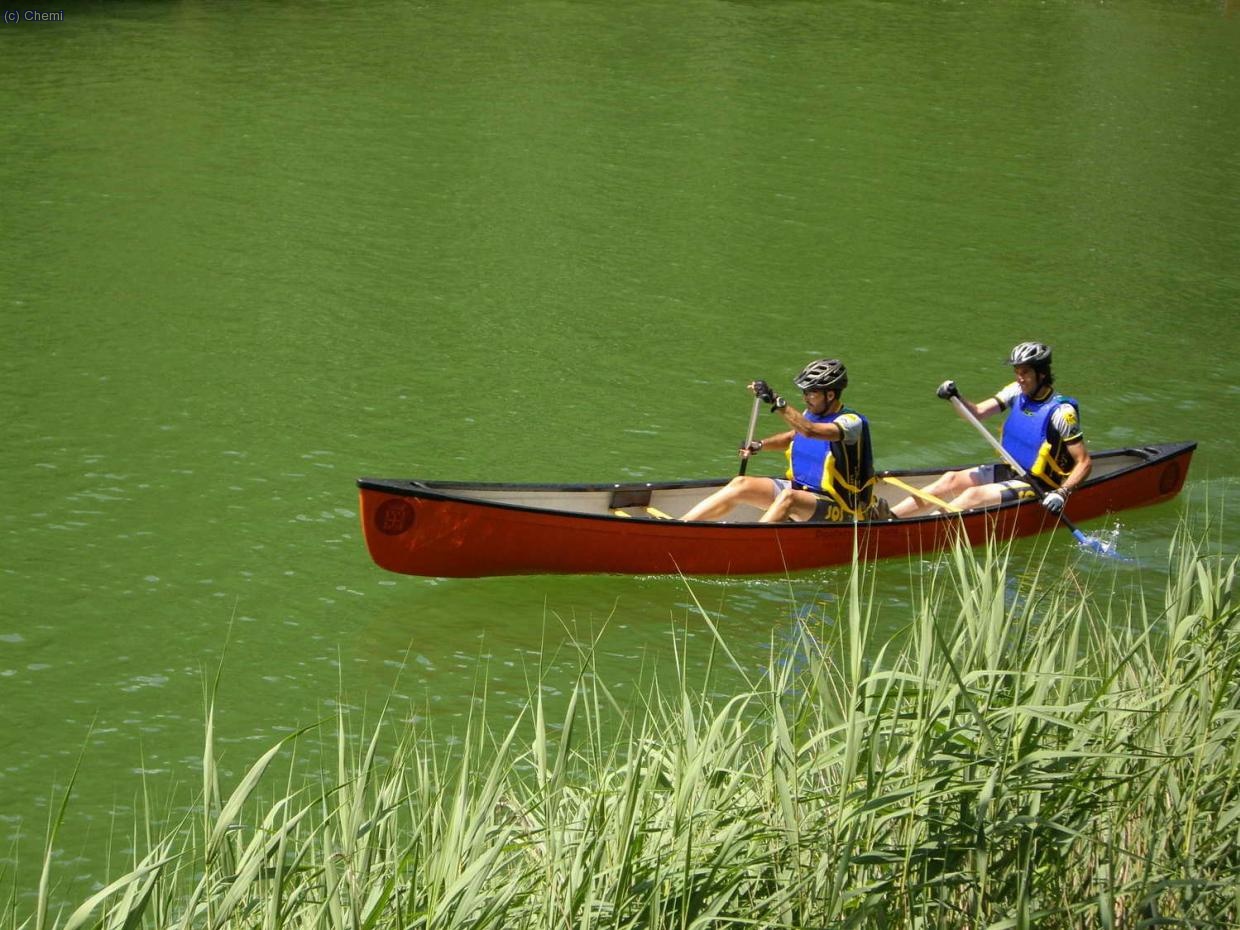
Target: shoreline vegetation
[{"x": 1039, "y": 754}]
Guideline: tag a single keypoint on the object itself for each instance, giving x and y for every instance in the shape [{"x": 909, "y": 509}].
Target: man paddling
[
  {"x": 830, "y": 473},
  {"x": 1042, "y": 433}
]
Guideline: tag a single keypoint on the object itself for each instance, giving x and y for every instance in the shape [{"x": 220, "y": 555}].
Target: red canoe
[{"x": 458, "y": 530}]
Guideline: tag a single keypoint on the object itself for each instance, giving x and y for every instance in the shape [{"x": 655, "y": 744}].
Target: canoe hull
[{"x": 429, "y": 529}]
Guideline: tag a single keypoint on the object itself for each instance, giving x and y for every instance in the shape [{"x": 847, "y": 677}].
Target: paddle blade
[{"x": 1099, "y": 546}]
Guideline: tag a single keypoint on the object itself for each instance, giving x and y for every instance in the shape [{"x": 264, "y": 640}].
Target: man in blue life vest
[
  {"x": 830, "y": 472},
  {"x": 1042, "y": 433}
]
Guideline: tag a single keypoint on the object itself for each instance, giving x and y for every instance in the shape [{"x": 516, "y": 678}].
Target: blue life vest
[
  {"x": 844, "y": 473},
  {"x": 1027, "y": 438}
]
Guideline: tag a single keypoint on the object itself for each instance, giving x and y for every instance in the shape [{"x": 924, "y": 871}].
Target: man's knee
[
  {"x": 950, "y": 484},
  {"x": 783, "y": 501},
  {"x": 780, "y": 507},
  {"x": 975, "y": 496},
  {"x": 959, "y": 479},
  {"x": 965, "y": 499}
]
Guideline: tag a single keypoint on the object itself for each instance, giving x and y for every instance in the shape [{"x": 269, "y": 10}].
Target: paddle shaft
[
  {"x": 1007, "y": 457},
  {"x": 753, "y": 424}
]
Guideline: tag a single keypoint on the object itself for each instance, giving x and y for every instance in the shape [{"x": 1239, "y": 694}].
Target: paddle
[
  {"x": 753, "y": 424},
  {"x": 1091, "y": 543}
]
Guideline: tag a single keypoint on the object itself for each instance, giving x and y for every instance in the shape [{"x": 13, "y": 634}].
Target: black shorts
[
  {"x": 827, "y": 509},
  {"x": 1011, "y": 487},
  {"x": 1015, "y": 490}
]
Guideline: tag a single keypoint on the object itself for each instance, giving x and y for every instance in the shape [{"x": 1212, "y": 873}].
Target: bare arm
[
  {"x": 1082, "y": 465},
  {"x": 779, "y": 442},
  {"x": 989, "y": 407},
  {"x": 799, "y": 424}
]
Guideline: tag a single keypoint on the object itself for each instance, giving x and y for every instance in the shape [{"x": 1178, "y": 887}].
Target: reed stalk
[{"x": 1032, "y": 754}]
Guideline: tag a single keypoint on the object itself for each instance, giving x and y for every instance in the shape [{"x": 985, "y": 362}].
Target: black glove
[
  {"x": 777, "y": 403},
  {"x": 763, "y": 392},
  {"x": 947, "y": 390},
  {"x": 1054, "y": 501},
  {"x": 755, "y": 445}
]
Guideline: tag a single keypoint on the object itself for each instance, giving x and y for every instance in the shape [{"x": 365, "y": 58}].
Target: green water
[{"x": 253, "y": 251}]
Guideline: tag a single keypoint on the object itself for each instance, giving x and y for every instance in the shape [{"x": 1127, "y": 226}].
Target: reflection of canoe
[{"x": 452, "y": 529}]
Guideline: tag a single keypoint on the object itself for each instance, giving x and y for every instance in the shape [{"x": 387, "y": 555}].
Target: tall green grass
[{"x": 1054, "y": 758}]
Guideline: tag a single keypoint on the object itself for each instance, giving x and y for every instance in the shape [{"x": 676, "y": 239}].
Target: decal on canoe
[{"x": 393, "y": 517}]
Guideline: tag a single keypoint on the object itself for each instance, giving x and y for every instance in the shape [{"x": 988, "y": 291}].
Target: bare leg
[
  {"x": 790, "y": 504},
  {"x": 946, "y": 487},
  {"x": 982, "y": 495},
  {"x": 756, "y": 491}
]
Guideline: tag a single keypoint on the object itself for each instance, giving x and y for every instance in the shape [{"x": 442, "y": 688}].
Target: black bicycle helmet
[
  {"x": 825, "y": 374},
  {"x": 1034, "y": 354}
]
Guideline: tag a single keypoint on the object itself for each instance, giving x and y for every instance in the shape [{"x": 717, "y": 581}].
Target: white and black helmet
[
  {"x": 1034, "y": 354},
  {"x": 825, "y": 374}
]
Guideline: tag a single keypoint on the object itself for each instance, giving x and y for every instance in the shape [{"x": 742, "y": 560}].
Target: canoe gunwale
[{"x": 1148, "y": 456}]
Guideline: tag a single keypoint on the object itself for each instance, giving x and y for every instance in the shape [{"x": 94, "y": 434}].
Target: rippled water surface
[{"x": 253, "y": 251}]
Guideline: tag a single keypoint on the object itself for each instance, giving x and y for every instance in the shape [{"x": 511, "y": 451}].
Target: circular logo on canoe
[
  {"x": 393, "y": 517},
  {"x": 1169, "y": 479}
]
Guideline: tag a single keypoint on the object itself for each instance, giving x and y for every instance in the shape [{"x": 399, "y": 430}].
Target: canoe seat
[
  {"x": 629, "y": 497},
  {"x": 625, "y": 499}
]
